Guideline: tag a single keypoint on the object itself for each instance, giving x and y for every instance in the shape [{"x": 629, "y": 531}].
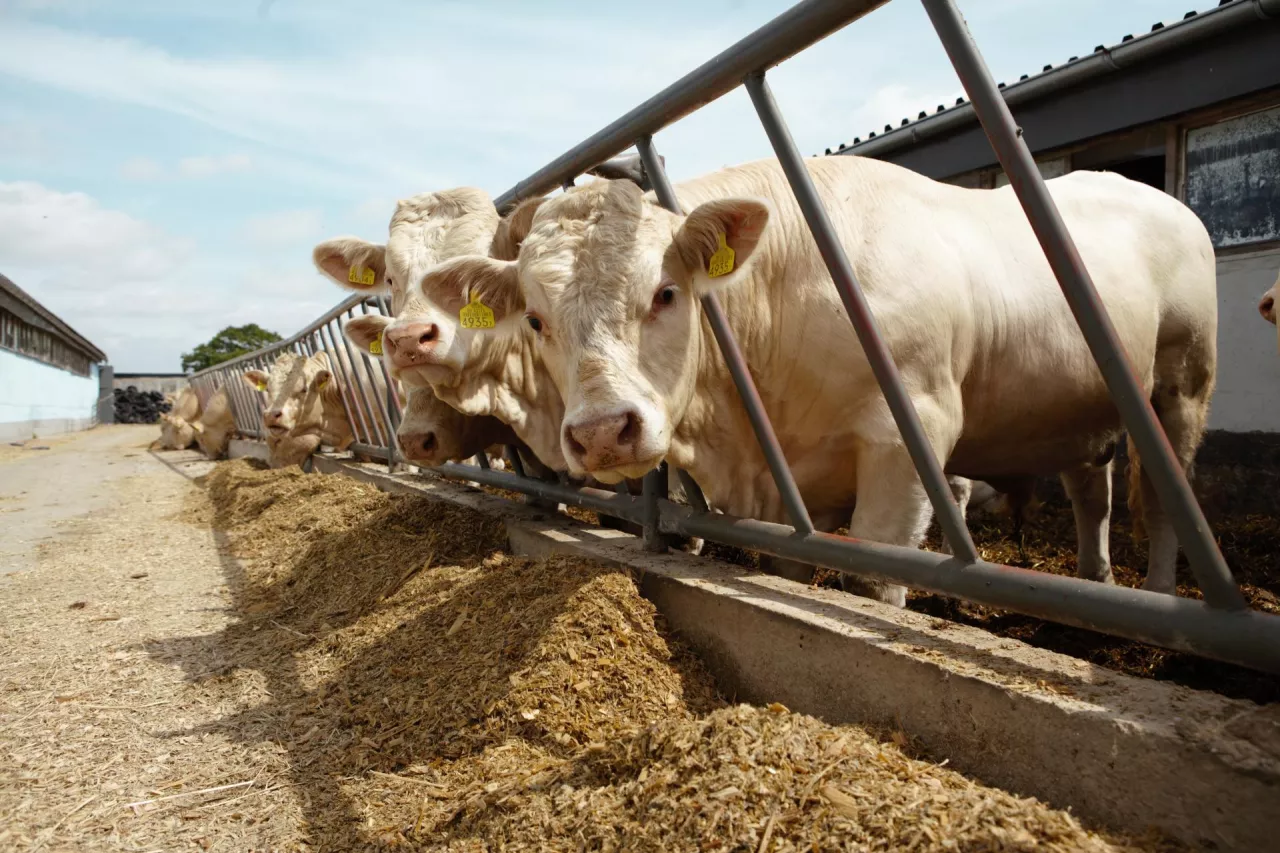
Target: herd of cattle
[{"x": 571, "y": 329}]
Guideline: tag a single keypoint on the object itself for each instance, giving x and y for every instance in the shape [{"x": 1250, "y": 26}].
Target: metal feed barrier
[{"x": 1221, "y": 626}]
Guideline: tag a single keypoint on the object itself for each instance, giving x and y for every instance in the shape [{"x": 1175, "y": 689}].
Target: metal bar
[
  {"x": 1158, "y": 459},
  {"x": 482, "y": 460},
  {"x": 786, "y": 35},
  {"x": 692, "y": 491},
  {"x": 923, "y": 454},
  {"x": 513, "y": 459},
  {"x": 359, "y": 424},
  {"x": 622, "y": 506},
  {"x": 371, "y": 435},
  {"x": 654, "y": 486},
  {"x": 347, "y": 392},
  {"x": 369, "y": 450},
  {"x": 1248, "y": 638},
  {"x": 385, "y": 424},
  {"x": 735, "y": 360},
  {"x": 393, "y": 400}
]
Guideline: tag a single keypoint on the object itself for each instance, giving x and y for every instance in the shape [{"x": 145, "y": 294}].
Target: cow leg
[
  {"x": 1089, "y": 488},
  {"x": 892, "y": 507},
  {"x": 1183, "y": 418},
  {"x": 961, "y": 490}
]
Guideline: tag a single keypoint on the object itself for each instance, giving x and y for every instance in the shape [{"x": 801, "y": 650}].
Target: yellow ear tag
[
  {"x": 323, "y": 382},
  {"x": 476, "y": 315},
  {"x": 261, "y": 386},
  {"x": 721, "y": 260},
  {"x": 357, "y": 275},
  {"x": 375, "y": 346}
]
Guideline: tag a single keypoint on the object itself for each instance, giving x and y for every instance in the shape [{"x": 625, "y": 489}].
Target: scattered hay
[{"x": 427, "y": 690}]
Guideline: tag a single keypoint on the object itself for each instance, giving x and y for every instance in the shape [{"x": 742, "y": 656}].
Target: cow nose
[
  {"x": 1267, "y": 308},
  {"x": 604, "y": 441},
  {"x": 412, "y": 343},
  {"x": 420, "y": 446},
  {"x": 273, "y": 416}
]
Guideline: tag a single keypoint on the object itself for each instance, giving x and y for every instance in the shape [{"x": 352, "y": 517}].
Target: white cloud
[
  {"x": 204, "y": 167},
  {"x": 141, "y": 294},
  {"x": 284, "y": 228},
  {"x": 141, "y": 169}
]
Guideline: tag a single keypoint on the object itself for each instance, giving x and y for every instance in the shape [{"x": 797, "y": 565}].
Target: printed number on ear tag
[
  {"x": 357, "y": 275},
  {"x": 375, "y": 346},
  {"x": 476, "y": 315},
  {"x": 721, "y": 260}
]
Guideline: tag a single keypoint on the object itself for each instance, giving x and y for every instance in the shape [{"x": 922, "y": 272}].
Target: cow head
[
  {"x": 175, "y": 432},
  {"x": 432, "y": 432},
  {"x": 609, "y": 283},
  {"x": 425, "y": 229},
  {"x": 1267, "y": 306},
  {"x": 295, "y": 412}
]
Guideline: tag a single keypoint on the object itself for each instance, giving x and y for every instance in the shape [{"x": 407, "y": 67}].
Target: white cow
[
  {"x": 1267, "y": 306},
  {"x": 998, "y": 371}
]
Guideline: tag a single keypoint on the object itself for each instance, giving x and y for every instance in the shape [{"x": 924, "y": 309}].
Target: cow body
[
  {"x": 962, "y": 295},
  {"x": 216, "y": 426}
]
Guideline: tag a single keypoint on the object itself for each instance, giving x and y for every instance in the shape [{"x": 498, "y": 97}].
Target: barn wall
[
  {"x": 1247, "y": 397},
  {"x": 42, "y": 400}
]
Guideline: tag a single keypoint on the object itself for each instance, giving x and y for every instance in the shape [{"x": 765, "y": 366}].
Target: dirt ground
[{"x": 296, "y": 662}]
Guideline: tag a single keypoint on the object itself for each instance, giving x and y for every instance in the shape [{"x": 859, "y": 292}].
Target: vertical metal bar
[
  {"x": 513, "y": 459},
  {"x": 362, "y": 395},
  {"x": 1158, "y": 459},
  {"x": 354, "y": 415},
  {"x": 482, "y": 460},
  {"x": 654, "y": 487},
  {"x": 393, "y": 400},
  {"x": 385, "y": 424},
  {"x": 241, "y": 399},
  {"x": 928, "y": 466},
  {"x": 692, "y": 491},
  {"x": 736, "y": 362}
]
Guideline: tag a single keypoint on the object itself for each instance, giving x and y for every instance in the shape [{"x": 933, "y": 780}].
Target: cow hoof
[
  {"x": 887, "y": 593},
  {"x": 1100, "y": 577}
]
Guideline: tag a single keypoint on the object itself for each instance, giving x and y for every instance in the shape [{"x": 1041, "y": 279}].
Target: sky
[{"x": 166, "y": 166}]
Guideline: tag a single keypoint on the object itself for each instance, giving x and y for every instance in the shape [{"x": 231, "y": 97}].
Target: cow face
[
  {"x": 432, "y": 432},
  {"x": 609, "y": 282},
  {"x": 424, "y": 230},
  {"x": 294, "y": 407},
  {"x": 1267, "y": 306}
]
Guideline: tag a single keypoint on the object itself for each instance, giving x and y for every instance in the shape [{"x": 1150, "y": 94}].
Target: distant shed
[
  {"x": 51, "y": 376},
  {"x": 1192, "y": 108}
]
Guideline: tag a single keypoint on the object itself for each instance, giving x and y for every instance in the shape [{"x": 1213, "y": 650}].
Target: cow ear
[
  {"x": 716, "y": 242},
  {"x": 513, "y": 228},
  {"x": 628, "y": 168},
  {"x": 256, "y": 378},
  {"x": 365, "y": 331},
  {"x": 353, "y": 263},
  {"x": 321, "y": 379},
  {"x": 492, "y": 283}
]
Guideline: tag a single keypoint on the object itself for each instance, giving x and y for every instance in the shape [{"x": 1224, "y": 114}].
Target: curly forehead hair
[{"x": 454, "y": 203}]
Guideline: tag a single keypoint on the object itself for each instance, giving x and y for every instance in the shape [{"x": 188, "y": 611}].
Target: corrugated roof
[
  {"x": 1043, "y": 76},
  {"x": 46, "y": 319}
]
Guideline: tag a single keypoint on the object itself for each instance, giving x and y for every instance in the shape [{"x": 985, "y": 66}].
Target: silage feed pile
[{"x": 425, "y": 690}]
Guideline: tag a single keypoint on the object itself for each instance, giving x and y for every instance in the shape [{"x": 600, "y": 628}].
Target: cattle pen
[{"x": 1218, "y": 626}]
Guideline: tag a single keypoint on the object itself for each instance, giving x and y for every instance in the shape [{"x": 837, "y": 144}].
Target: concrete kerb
[{"x": 1118, "y": 751}]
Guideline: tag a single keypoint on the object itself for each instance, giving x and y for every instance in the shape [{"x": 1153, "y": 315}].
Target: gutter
[{"x": 1100, "y": 63}]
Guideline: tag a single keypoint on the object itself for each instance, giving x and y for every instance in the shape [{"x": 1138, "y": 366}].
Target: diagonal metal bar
[
  {"x": 950, "y": 519},
  {"x": 372, "y": 436},
  {"x": 1162, "y": 466},
  {"x": 354, "y": 416},
  {"x": 737, "y": 363}
]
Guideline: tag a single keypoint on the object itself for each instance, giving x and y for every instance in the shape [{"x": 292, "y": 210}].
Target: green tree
[{"x": 227, "y": 344}]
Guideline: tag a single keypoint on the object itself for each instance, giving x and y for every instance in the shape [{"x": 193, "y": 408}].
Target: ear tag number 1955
[
  {"x": 375, "y": 346},
  {"x": 721, "y": 262}
]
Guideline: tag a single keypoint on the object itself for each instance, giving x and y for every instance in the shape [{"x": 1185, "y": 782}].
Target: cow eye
[
  {"x": 534, "y": 323},
  {"x": 665, "y": 296}
]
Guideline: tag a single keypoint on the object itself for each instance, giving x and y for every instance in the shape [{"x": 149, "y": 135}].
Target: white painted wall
[
  {"x": 1248, "y": 393},
  {"x": 42, "y": 400}
]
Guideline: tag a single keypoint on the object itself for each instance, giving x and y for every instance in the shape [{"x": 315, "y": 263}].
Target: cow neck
[{"x": 507, "y": 379}]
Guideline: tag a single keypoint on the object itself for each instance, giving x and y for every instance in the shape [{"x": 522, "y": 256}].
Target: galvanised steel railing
[{"x": 1220, "y": 627}]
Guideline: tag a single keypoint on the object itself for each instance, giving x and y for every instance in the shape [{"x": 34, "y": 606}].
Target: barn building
[
  {"x": 1192, "y": 108},
  {"x": 52, "y": 379}
]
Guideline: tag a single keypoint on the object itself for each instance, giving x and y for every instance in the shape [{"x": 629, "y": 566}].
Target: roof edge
[{"x": 1195, "y": 27}]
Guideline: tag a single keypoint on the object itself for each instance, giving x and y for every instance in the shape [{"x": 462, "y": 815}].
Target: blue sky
[{"x": 167, "y": 165}]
